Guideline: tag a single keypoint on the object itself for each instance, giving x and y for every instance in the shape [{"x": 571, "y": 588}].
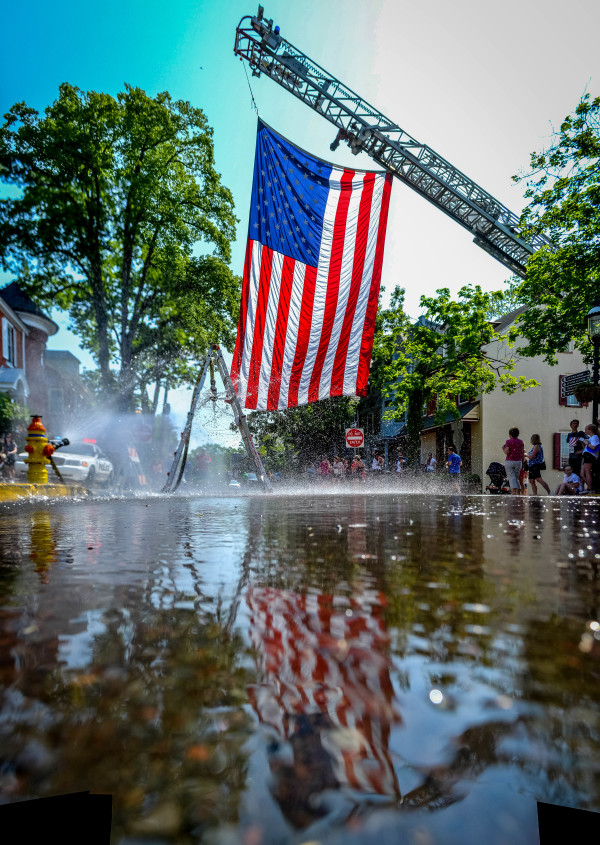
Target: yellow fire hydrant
[{"x": 39, "y": 451}]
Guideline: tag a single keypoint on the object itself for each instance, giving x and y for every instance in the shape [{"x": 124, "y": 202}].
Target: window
[
  {"x": 431, "y": 406},
  {"x": 9, "y": 343},
  {"x": 561, "y": 449}
]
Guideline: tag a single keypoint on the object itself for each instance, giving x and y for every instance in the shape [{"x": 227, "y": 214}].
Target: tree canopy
[
  {"x": 563, "y": 188},
  {"x": 113, "y": 197},
  {"x": 444, "y": 354},
  {"x": 293, "y": 437}
]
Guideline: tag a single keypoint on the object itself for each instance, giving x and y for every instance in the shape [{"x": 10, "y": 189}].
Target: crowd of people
[
  {"x": 580, "y": 473},
  {"x": 357, "y": 469}
]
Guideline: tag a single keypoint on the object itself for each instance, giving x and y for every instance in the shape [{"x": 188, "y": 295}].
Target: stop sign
[{"x": 355, "y": 437}]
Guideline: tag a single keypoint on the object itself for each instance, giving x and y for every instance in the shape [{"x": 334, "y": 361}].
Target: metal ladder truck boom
[{"x": 493, "y": 226}]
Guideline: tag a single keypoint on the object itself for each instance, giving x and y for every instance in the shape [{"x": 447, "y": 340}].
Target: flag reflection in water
[{"x": 326, "y": 692}]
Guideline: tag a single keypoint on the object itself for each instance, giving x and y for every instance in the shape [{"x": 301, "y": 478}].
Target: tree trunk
[
  {"x": 156, "y": 395},
  {"x": 101, "y": 316},
  {"x": 126, "y": 385},
  {"x": 414, "y": 423},
  {"x": 144, "y": 398}
]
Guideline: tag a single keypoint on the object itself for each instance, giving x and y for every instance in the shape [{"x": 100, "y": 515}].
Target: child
[
  {"x": 454, "y": 464},
  {"x": 570, "y": 485}
]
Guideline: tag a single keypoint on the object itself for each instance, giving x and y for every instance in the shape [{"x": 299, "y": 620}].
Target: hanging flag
[{"x": 311, "y": 278}]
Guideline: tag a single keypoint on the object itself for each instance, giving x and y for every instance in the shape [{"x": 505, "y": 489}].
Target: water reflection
[
  {"x": 323, "y": 669},
  {"x": 325, "y": 691}
]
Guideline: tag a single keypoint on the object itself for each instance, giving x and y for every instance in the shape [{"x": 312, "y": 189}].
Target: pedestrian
[
  {"x": 358, "y": 468},
  {"x": 570, "y": 485},
  {"x": 573, "y": 437},
  {"x": 514, "y": 450},
  {"x": 454, "y": 464},
  {"x": 9, "y": 448},
  {"x": 338, "y": 468},
  {"x": 375, "y": 465},
  {"x": 537, "y": 464},
  {"x": 324, "y": 468},
  {"x": 590, "y": 456},
  {"x": 523, "y": 477},
  {"x": 431, "y": 463},
  {"x": 576, "y": 457}
]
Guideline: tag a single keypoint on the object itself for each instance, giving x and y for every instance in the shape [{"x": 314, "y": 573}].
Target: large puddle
[{"x": 301, "y": 669}]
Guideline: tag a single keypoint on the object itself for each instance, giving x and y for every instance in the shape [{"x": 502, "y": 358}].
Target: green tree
[
  {"x": 113, "y": 196},
  {"x": 12, "y": 414},
  {"x": 563, "y": 186},
  {"x": 292, "y": 437},
  {"x": 443, "y": 354}
]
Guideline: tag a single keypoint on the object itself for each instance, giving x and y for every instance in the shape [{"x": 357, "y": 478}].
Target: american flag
[
  {"x": 311, "y": 278},
  {"x": 327, "y": 656}
]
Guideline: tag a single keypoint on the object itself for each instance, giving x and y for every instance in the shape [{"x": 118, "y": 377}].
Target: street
[{"x": 300, "y": 668}]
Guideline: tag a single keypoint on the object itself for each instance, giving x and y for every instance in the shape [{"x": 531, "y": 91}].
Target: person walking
[
  {"x": 431, "y": 463},
  {"x": 590, "y": 456},
  {"x": 537, "y": 464},
  {"x": 454, "y": 464},
  {"x": 514, "y": 449}
]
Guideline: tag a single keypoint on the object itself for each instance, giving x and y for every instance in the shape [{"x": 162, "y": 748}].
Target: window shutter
[
  {"x": 557, "y": 450},
  {"x": 562, "y": 400}
]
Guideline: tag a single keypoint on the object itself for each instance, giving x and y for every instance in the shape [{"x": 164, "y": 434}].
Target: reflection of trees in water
[
  {"x": 153, "y": 716},
  {"x": 562, "y": 679}
]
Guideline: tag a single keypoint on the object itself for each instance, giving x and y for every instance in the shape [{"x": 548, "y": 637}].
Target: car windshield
[{"x": 78, "y": 449}]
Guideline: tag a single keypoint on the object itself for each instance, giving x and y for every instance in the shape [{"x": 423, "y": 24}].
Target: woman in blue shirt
[{"x": 537, "y": 464}]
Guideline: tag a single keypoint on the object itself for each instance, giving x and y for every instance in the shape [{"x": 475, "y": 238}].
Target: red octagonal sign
[{"x": 355, "y": 437}]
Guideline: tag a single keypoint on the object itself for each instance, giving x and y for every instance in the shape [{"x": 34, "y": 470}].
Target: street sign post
[
  {"x": 355, "y": 438},
  {"x": 570, "y": 383}
]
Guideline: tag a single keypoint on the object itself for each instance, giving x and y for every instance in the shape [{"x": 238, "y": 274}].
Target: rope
[{"x": 254, "y": 106}]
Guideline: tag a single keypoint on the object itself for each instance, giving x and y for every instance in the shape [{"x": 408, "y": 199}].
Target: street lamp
[{"x": 593, "y": 329}]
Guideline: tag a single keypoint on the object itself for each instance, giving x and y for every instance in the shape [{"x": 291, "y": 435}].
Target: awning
[
  {"x": 469, "y": 412},
  {"x": 13, "y": 381}
]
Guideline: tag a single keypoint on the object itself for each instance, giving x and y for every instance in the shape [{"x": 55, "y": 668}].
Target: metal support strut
[
  {"x": 364, "y": 128},
  {"x": 175, "y": 474}
]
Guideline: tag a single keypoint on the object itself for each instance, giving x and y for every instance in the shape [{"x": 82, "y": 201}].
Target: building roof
[
  {"x": 21, "y": 303},
  {"x": 505, "y": 321}
]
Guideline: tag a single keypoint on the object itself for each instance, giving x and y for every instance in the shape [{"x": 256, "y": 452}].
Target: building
[
  {"x": 484, "y": 420},
  {"x": 13, "y": 331},
  {"x": 47, "y": 381}
]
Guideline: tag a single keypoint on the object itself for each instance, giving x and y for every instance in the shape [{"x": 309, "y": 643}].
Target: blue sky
[{"x": 483, "y": 84}]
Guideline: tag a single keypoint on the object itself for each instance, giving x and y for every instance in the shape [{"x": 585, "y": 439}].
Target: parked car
[{"x": 80, "y": 463}]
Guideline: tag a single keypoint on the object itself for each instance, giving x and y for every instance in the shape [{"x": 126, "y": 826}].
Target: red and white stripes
[{"x": 304, "y": 332}]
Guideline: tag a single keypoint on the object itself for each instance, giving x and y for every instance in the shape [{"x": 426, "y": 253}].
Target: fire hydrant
[{"x": 39, "y": 451}]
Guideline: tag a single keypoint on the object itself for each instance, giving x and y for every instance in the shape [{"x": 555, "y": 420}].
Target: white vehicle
[{"x": 81, "y": 463}]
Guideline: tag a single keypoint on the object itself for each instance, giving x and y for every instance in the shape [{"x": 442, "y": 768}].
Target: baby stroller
[{"x": 498, "y": 479}]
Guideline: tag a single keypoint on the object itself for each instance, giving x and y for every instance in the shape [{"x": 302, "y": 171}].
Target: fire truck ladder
[
  {"x": 214, "y": 357},
  {"x": 493, "y": 226}
]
